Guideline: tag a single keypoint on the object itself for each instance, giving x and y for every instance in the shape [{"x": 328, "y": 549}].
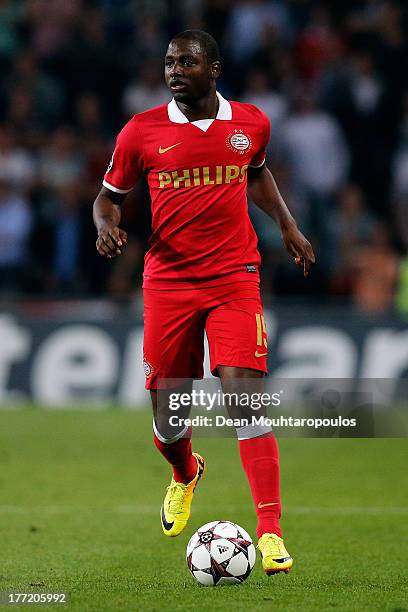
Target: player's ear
[{"x": 215, "y": 70}]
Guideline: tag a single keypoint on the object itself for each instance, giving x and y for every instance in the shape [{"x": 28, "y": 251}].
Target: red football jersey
[{"x": 197, "y": 176}]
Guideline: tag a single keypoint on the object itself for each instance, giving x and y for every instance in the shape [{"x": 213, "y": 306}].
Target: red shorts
[{"x": 174, "y": 325}]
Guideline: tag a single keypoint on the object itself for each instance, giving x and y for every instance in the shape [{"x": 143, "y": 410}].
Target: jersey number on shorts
[{"x": 261, "y": 331}]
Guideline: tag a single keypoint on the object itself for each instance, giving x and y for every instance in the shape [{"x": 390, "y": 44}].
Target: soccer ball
[{"x": 220, "y": 552}]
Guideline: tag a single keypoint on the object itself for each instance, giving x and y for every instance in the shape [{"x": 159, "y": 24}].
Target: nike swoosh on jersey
[
  {"x": 161, "y": 150},
  {"x": 166, "y": 524},
  {"x": 260, "y": 505},
  {"x": 260, "y": 354}
]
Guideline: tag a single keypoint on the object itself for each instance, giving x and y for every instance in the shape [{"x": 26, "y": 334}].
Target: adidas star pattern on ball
[{"x": 220, "y": 552}]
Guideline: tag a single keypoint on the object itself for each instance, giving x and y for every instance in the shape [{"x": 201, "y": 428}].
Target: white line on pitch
[{"x": 137, "y": 509}]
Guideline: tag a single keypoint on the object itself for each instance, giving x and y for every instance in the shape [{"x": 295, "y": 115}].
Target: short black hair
[{"x": 208, "y": 44}]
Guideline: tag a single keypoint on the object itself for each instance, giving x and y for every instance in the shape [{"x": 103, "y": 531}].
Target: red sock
[
  {"x": 179, "y": 455},
  {"x": 260, "y": 460}
]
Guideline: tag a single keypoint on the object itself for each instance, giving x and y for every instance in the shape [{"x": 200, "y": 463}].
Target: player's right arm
[
  {"x": 106, "y": 216},
  {"x": 124, "y": 170}
]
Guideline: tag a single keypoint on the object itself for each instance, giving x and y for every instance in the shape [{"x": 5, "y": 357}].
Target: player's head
[{"x": 192, "y": 65}]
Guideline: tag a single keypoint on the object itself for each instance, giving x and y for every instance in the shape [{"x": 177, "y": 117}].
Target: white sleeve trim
[
  {"x": 115, "y": 189},
  {"x": 259, "y": 165}
]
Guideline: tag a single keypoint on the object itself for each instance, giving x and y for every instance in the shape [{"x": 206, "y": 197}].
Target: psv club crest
[
  {"x": 148, "y": 368},
  {"x": 239, "y": 142}
]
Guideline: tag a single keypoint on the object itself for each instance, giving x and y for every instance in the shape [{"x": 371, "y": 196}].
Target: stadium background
[
  {"x": 332, "y": 77},
  {"x": 75, "y": 486}
]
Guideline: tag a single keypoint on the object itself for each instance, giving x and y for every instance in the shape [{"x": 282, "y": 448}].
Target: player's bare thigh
[{"x": 236, "y": 381}]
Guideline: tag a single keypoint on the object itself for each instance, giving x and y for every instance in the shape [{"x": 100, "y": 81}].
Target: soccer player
[{"x": 201, "y": 154}]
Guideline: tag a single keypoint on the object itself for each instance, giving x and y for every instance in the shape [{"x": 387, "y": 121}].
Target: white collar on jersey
[{"x": 224, "y": 113}]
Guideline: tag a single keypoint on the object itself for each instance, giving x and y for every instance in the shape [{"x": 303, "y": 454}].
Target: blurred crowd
[{"x": 331, "y": 75}]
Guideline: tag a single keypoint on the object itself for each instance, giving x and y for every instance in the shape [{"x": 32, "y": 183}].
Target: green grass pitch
[{"x": 80, "y": 494}]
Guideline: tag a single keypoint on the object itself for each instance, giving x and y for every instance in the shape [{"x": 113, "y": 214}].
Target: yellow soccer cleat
[
  {"x": 176, "y": 507},
  {"x": 275, "y": 557}
]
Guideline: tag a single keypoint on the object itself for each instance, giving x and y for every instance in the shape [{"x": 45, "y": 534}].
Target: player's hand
[
  {"x": 111, "y": 241},
  {"x": 300, "y": 248}
]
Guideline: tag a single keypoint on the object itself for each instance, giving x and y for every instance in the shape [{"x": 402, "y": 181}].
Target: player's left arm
[{"x": 264, "y": 192}]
